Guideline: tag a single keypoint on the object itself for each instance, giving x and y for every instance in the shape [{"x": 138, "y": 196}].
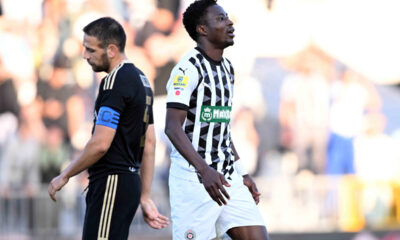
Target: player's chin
[{"x": 229, "y": 43}]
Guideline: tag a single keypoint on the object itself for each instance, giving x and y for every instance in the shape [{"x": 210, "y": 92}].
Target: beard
[{"x": 103, "y": 66}]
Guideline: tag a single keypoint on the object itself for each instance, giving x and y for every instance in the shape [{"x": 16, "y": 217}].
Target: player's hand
[
  {"x": 214, "y": 183},
  {"x": 151, "y": 215},
  {"x": 56, "y": 184},
  {"x": 248, "y": 182}
]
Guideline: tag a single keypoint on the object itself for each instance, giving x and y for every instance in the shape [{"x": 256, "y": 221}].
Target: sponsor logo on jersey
[
  {"x": 180, "y": 81},
  {"x": 177, "y": 93},
  {"x": 215, "y": 114},
  {"x": 190, "y": 234}
]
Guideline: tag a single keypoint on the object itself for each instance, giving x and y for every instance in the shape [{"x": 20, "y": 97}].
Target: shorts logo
[
  {"x": 215, "y": 114},
  {"x": 190, "y": 234},
  {"x": 180, "y": 81}
]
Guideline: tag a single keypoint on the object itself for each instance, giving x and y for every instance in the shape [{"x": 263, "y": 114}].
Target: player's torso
[
  {"x": 209, "y": 113},
  {"x": 124, "y": 154}
]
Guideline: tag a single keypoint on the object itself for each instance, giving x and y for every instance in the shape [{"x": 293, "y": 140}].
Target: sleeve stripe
[{"x": 108, "y": 85}]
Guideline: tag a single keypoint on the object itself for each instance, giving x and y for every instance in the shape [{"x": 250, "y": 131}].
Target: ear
[
  {"x": 112, "y": 50},
  {"x": 201, "y": 30}
]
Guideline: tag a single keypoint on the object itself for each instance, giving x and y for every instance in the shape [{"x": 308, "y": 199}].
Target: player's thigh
[
  {"x": 241, "y": 210},
  {"x": 111, "y": 205},
  {"x": 248, "y": 233},
  {"x": 193, "y": 212}
]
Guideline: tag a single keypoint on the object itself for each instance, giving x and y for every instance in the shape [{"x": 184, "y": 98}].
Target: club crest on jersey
[
  {"x": 215, "y": 114},
  {"x": 180, "y": 81},
  {"x": 190, "y": 234}
]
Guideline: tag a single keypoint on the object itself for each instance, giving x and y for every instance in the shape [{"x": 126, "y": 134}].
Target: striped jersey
[
  {"x": 204, "y": 88},
  {"x": 127, "y": 95}
]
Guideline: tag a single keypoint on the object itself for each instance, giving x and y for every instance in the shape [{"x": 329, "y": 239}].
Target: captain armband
[{"x": 108, "y": 117}]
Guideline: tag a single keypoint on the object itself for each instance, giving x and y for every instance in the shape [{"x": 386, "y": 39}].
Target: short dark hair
[
  {"x": 193, "y": 15},
  {"x": 107, "y": 30}
]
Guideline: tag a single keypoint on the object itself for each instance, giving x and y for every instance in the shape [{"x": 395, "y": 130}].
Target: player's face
[
  {"x": 94, "y": 54},
  {"x": 219, "y": 26}
]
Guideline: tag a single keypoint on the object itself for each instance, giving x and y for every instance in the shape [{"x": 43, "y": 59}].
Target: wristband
[{"x": 240, "y": 168}]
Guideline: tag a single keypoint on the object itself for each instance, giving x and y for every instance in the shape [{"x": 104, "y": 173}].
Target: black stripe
[
  {"x": 177, "y": 105},
  {"x": 227, "y": 92},
  {"x": 207, "y": 93},
  {"x": 217, "y": 87},
  {"x": 232, "y": 72},
  {"x": 191, "y": 116}
]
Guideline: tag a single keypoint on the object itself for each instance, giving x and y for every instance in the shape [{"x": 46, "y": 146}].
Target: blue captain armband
[{"x": 108, "y": 117}]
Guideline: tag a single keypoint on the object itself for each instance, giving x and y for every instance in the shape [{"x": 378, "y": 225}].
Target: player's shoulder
[
  {"x": 187, "y": 63},
  {"x": 126, "y": 74},
  {"x": 127, "y": 70}
]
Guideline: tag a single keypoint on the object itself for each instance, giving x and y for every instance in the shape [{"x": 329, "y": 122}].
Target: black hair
[
  {"x": 193, "y": 15},
  {"x": 107, "y": 30}
]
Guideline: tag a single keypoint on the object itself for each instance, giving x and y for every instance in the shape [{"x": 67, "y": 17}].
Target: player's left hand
[
  {"x": 55, "y": 185},
  {"x": 151, "y": 215},
  {"x": 248, "y": 182}
]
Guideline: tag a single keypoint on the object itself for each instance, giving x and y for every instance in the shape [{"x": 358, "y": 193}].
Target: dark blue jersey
[{"x": 124, "y": 102}]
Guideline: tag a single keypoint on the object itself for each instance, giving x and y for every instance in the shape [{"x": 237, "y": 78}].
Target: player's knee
[{"x": 249, "y": 233}]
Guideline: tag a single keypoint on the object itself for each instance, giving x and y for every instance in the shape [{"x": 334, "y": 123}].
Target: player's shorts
[
  {"x": 196, "y": 216},
  {"x": 111, "y": 203}
]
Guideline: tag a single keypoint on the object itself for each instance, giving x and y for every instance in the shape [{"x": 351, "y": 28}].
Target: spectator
[
  {"x": 352, "y": 96},
  {"x": 19, "y": 170},
  {"x": 303, "y": 112}
]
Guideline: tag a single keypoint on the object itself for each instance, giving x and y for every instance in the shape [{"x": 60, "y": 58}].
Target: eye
[{"x": 221, "y": 18}]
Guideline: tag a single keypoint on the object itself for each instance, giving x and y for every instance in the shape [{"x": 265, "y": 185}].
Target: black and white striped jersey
[{"x": 204, "y": 88}]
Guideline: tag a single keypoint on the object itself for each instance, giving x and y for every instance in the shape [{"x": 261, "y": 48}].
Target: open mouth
[{"x": 231, "y": 32}]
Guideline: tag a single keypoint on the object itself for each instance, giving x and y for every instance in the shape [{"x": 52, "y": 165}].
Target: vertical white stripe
[
  {"x": 115, "y": 74},
  {"x": 106, "y": 82},
  {"x": 211, "y": 124},
  {"x": 109, "y": 79},
  {"x": 109, "y": 83},
  {"x": 230, "y": 87},
  {"x": 221, "y": 155},
  {"x": 106, "y": 216},
  {"x": 99, "y": 234},
  {"x": 114, "y": 190},
  {"x": 199, "y": 99}
]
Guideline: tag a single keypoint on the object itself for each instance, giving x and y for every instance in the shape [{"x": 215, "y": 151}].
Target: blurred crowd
[{"x": 300, "y": 115}]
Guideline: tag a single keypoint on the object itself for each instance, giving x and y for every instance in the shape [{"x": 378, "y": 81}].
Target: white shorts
[{"x": 196, "y": 216}]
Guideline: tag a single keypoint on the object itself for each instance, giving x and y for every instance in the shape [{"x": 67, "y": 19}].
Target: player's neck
[
  {"x": 211, "y": 51},
  {"x": 116, "y": 61}
]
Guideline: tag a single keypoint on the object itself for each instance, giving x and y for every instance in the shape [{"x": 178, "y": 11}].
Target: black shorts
[{"x": 111, "y": 203}]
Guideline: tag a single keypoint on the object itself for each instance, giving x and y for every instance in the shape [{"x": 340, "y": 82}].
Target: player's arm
[
  {"x": 212, "y": 180},
  {"x": 247, "y": 180},
  {"x": 150, "y": 213},
  {"x": 98, "y": 145}
]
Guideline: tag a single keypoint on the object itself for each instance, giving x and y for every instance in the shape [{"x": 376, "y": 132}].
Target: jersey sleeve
[{"x": 181, "y": 84}]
